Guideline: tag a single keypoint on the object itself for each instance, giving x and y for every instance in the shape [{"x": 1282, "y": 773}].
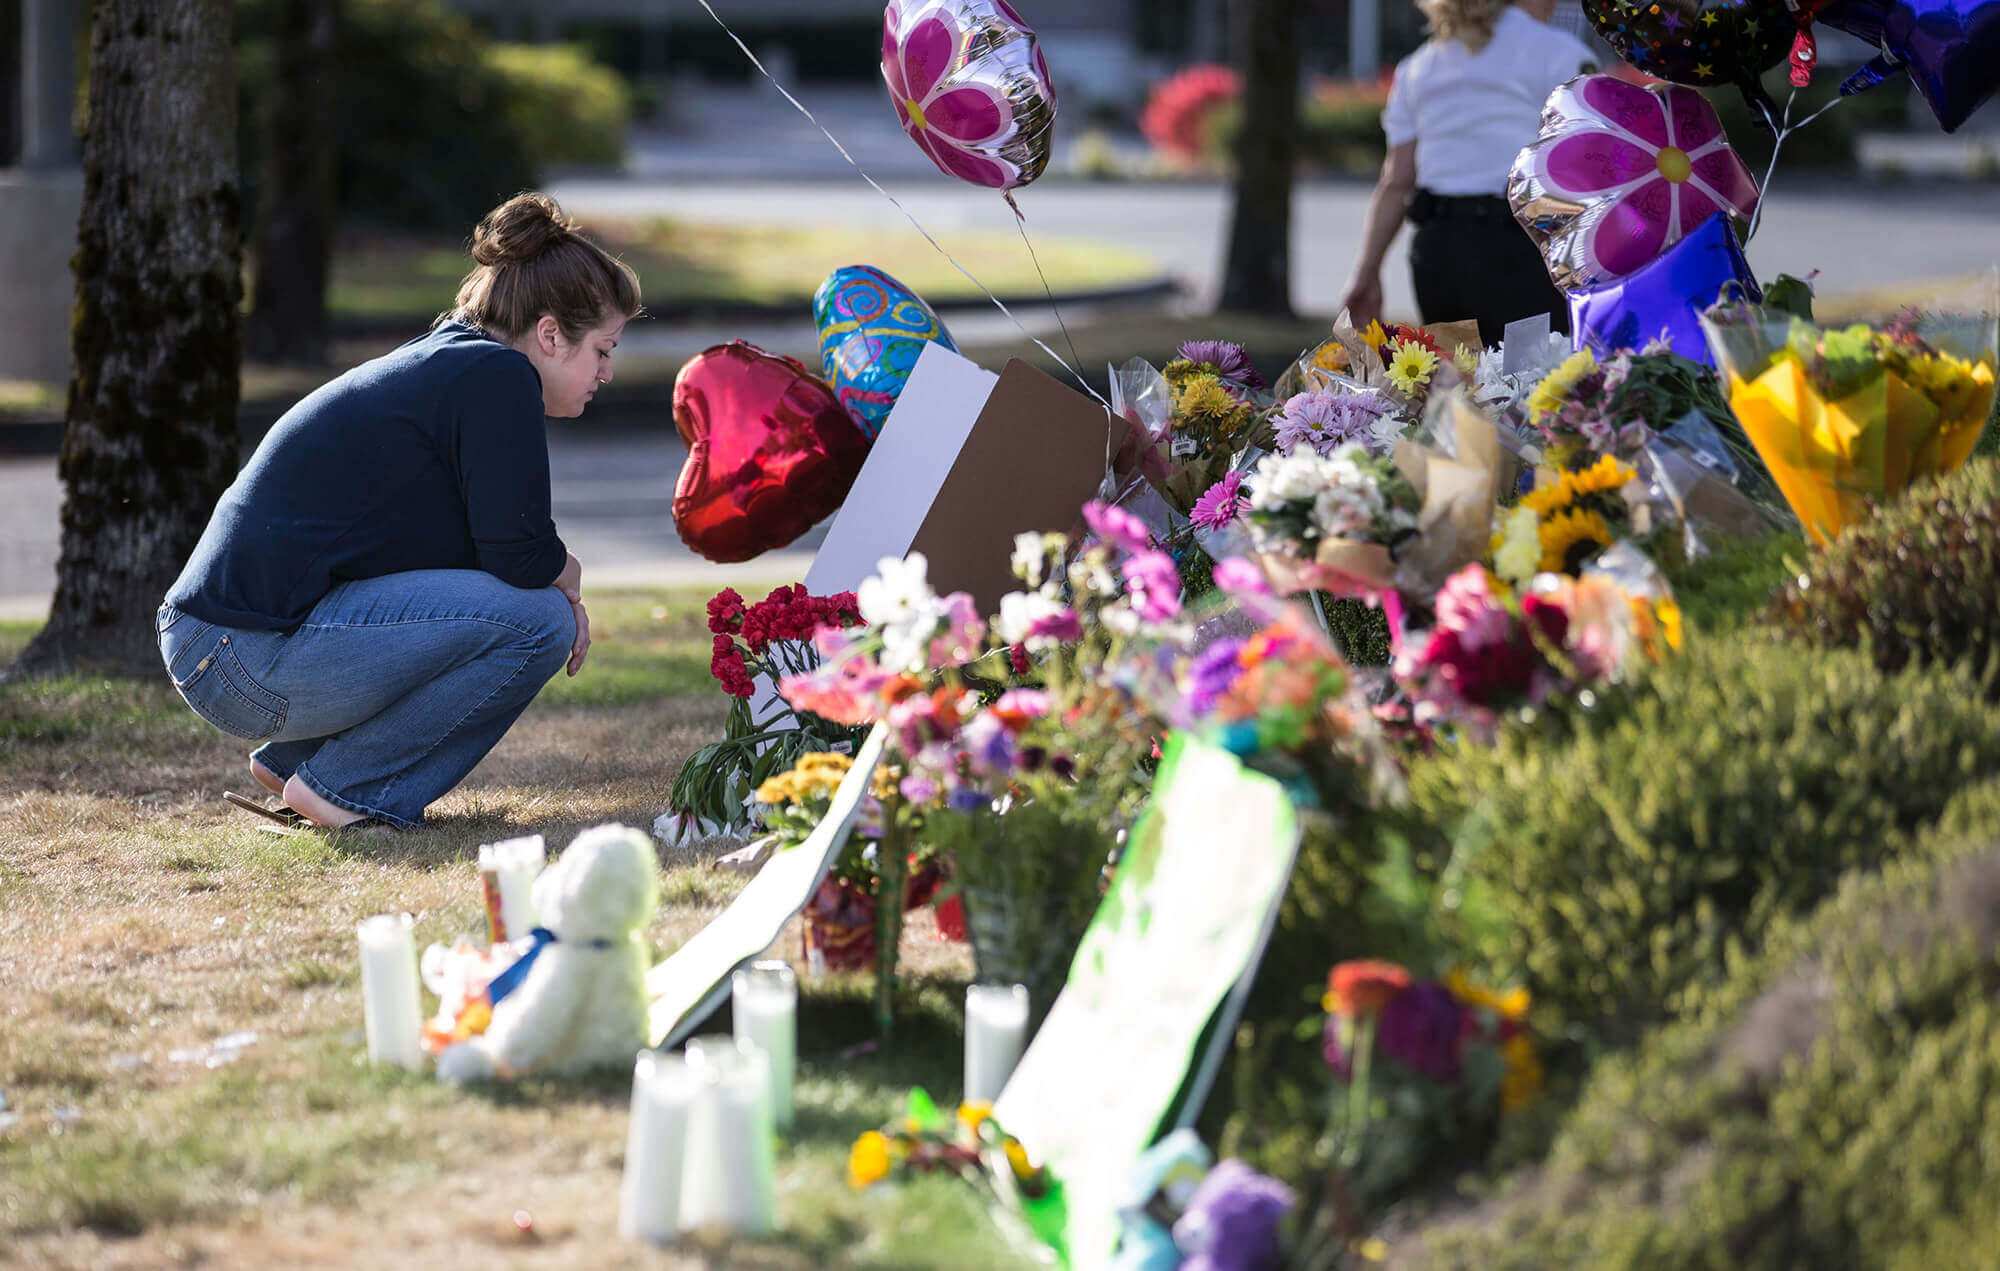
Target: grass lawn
[
  {"x": 684, "y": 265},
  {"x": 144, "y": 918}
]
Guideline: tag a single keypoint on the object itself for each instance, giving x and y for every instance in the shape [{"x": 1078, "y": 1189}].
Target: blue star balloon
[
  {"x": 1951, "y": 49},
  {"x": 871, "y": 331},
  {"x": 1666, "y": 297}
]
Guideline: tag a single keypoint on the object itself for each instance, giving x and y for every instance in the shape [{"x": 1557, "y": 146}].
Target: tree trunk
[
  {"x": 294, "y": 235},
  {"x": 150, "y": 440},
  {"x": 1257, "y": 278}
]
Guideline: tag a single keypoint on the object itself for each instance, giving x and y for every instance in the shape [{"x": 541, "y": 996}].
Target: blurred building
[{"x": 41, "y": 187}]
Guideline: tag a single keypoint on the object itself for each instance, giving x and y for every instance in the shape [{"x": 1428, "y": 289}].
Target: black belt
[{"x": 1426, "y": 206}]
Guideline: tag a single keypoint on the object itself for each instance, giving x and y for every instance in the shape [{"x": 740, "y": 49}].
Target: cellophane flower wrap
[
  {"x": 1194, "y": 419},
  {"x": 1846, "y": 418}
]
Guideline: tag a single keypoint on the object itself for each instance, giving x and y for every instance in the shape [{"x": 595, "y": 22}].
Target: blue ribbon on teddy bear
[{"x": 510, "y": 979}]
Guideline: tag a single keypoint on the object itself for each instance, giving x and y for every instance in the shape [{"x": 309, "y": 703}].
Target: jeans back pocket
[{"x": 220, "y": 691}]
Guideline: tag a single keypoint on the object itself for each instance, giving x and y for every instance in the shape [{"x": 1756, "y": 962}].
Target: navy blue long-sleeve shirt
[{"x": 430, "y": 457}]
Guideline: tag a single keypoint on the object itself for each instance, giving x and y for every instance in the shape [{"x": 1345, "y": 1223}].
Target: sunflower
[
  {"x": 1570, "y": 538},
  {"x": 1606, "y": 476},
  {"x": 1411, "y": 367},
  {"x": 1548, "y": 396}
]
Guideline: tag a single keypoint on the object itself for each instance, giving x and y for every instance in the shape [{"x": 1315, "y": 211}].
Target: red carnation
[{"x": 725, "y": 612}]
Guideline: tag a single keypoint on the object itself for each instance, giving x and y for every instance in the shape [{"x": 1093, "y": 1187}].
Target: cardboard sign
[
  {"x": 1175, "y": 943},
  {"x": 687, "y": 987},
  {"x": 964, "y": 464}
]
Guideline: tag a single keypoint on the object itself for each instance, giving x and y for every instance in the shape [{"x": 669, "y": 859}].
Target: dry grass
[{"x": 141, "y": 920}]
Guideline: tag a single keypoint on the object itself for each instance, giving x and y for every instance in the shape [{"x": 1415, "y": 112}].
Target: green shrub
[
  {"x": 1917, "y": 582},
  {"x": 1834, "y": 1103},
  {"x": 1628, "y": 843},
  {"x": 1732, "y": 586},
  {"x": 434, "y": 124},
  {"x": 561, "y": 107}
]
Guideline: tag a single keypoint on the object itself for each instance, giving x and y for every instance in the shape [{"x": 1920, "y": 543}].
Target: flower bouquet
[
  {"x": 1847, "y": 418},
  {"x": 1405, "y": 364},
  {"x": 767, "y": 640},
  {"x": 1565, "y": 521},
  {"x": 1494, "y": 650},
  {"x": 1197, "y": 415}
]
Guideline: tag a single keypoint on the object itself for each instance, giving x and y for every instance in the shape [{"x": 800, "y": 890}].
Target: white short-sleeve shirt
[{"x": 1470, "y": 113}]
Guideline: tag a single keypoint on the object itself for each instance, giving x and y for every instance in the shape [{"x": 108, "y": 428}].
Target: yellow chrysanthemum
[
  {"x": 1466, "y": 359},
  {"x": 869, "y": 1161},
  {"x": 1554, "y": 389},
  {"x": 1205, "y": 400},
  {"x": 1523, "y": 1079},
  {"x": 1517, "y": 548},
  {"x": 1411, "y": 367},
  {"x": 1668, "y": 611},
  {"x": 1330, "y": 356},
  {"x": 776, "y": 789},
  {"x": 1571, "y": 537}
]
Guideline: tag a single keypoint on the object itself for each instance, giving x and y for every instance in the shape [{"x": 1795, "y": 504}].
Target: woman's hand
[
  {"x": 581, "y": 648},
  {"x": 1363, "y": 301}
]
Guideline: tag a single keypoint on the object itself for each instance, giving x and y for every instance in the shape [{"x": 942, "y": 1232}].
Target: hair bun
[{"x": 520, "y": 229}]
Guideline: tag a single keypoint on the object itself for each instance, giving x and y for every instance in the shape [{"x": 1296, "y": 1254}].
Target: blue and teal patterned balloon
[{"x": 871, "y": 331}]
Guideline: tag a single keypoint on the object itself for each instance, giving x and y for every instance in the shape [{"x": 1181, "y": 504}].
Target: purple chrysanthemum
[
  {"x": 1329, "y": 419},
  {"x": 1222, "y": 505},
  {"x": 1231, "y": 1223},
  {"x": 1229, "y": 360},
  {"x": 1420, "y": 1029},
  {"x": 1212, "y": 674}
]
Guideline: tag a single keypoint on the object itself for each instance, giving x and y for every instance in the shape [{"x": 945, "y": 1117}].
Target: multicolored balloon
[
  {"x": 972, "y": 88},
  {"x": 1666, "y": 298},
  {"x": 872, "y": 329},
  {"x": 1951, "y": 49},
  {"x": 771, "y": 453},
  {"x": 1620, "y": 173},
  {"x": 1697, "y": 41}
]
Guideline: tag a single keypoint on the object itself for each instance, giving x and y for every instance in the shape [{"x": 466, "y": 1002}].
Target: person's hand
[
  {"x": 1363, "y": 301},
  {"x": 570, "y": 581},
  {"x": 581, "y": 648}
]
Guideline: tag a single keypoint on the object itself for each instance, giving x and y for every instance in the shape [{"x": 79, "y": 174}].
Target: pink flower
[
  {"x": 963, "y": 632},
  {"x": 1117, "y": 527},
  {"x": 1222, "y": 505},
  {"x": 1062, "y": 627},
  {"x": 1466, "y": 608},
  {"x": 957, "y": 122},
  {"x": 1238, "y": 577},
  {"x": 1154, "y": 585},
  {"x": 1648, "y": 165}
]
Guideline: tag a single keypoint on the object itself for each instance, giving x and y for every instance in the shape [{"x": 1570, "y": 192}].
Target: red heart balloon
[{"x": 771, "y": 452}]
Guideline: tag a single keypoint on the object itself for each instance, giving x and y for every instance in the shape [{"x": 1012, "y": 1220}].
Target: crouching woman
[{"x": 382, "y": 591}]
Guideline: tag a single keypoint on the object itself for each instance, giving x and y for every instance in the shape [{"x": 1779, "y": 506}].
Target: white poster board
[
  {"x": 1177, "y": 938},
  {"x": 687, "y": 987}
]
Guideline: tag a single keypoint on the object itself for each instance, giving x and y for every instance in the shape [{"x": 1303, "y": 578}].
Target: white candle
[
  {"x": 649, "y": 1199},
  {"x": 508, "y": 871},
  {"x": 765, "y": 1003},
  {"x": 389, "y": 1002},
  {"x": 996, "y": 1032},
  {"x": 726, "y": 1183}
]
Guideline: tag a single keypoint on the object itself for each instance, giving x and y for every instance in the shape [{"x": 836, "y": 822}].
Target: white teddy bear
[{"x": 582, "y": 1002}]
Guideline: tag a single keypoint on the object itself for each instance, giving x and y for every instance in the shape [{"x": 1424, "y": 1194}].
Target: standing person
[
  {"x": 382, "y": 592},
  {"x": 1461, "y": 107}
]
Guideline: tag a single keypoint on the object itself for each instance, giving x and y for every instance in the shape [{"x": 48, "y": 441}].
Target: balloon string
[
  {"x": 1021, "y": 224},
  {"x": 998, "y": 303},
  {"x": 1783, "y": 130}
]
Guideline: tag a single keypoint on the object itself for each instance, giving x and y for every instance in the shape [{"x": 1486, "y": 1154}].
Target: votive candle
[
  {"x": 649, "y": 1196},
  {"x": 508, "y": 870},
  {"x": 390, "y": 1007},
  {"x": 727, "y": 1182},
  {"x": 764, "y": 1000},
  {"x": 996, "y": 1032}
]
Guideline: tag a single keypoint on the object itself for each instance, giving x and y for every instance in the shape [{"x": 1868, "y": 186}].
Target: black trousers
[{"x": 1471, "y": 259}]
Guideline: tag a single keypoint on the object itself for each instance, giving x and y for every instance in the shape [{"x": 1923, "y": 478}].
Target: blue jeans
[{"x": 391, "y": 690}]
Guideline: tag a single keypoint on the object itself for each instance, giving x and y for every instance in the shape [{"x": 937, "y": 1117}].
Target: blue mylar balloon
[
  {"x": 1666, "y": 297},
  {"x": 871, "y": 331},
  {"x": 1951, "y": 49}
]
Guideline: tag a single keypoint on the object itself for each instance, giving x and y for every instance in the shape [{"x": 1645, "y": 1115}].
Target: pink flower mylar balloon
[
  {"x": 1621, "y": 172},
  {"x": 971, "y": 87}
]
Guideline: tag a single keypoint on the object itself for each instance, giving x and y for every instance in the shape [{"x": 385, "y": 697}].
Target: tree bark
[
  {"x": 1257, "y": 277},
  {"x": 294, "y": 235},
  {"x": 150, "y": 438}
]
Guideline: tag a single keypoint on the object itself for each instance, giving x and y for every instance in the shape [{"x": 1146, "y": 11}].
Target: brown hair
[
  {"x": 1470, "y": 22},
  {"x": 531, "y": 259}
]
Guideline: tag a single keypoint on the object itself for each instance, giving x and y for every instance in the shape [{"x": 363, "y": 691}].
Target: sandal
[{"x": 281, "y": 814}]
